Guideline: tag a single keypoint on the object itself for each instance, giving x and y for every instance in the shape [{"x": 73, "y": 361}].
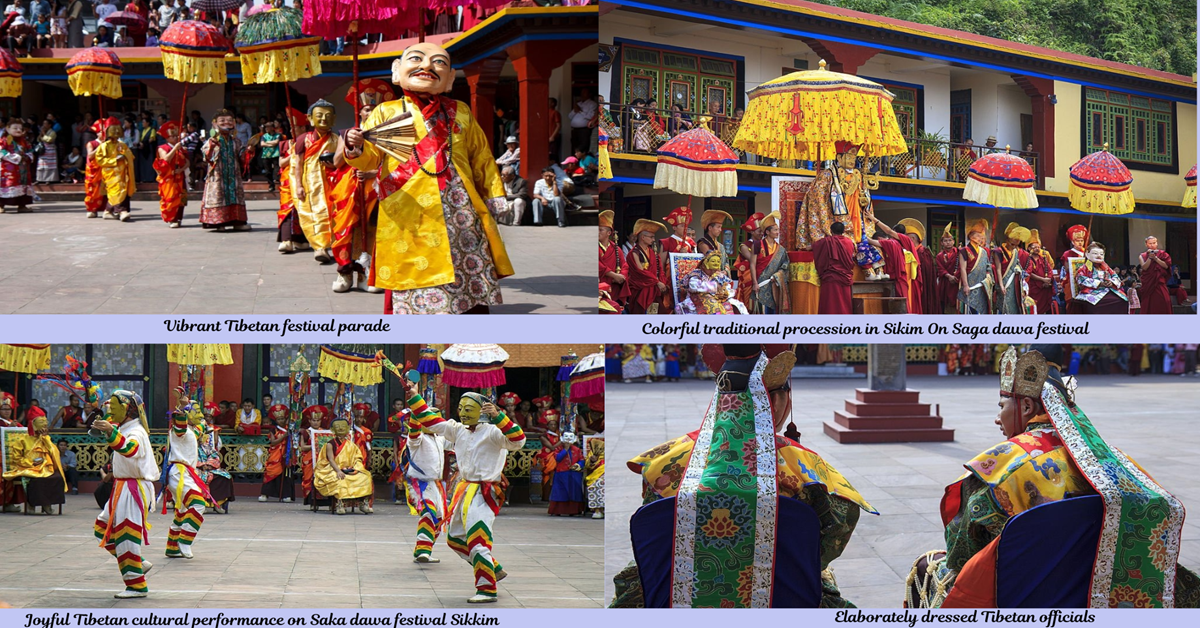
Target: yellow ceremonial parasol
[
  {"x": 194, "y": 52},
  {"x": 1189, "y": 194},
  {"x": 24, "y": 358},
  {"x": 803, "y": 115}
]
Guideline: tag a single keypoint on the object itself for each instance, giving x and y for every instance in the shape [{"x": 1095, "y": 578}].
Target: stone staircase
[{"x": 887, "y": 416}]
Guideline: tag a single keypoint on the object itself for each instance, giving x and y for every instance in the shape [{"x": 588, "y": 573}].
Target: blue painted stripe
[
  {"x": 935, "y": 201},
  {"x": 827, "y": 37}
]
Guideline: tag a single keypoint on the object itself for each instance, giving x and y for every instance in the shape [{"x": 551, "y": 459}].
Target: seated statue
[
  {"x": 708, "y": 288},
  {"x": 38, "y": 466}
]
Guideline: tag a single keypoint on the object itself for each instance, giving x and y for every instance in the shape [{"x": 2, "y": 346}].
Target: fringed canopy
[
  {"x": 474, "y": 365},
  {"x": 349, "y": 367},
  {"x": 1101, "y": 184},
  {"x": 199, "y": 354},
  {"x": 696, "y": 162},
  {"x": 587, "y": 379},
  {"x": 24, "y": 358},
  {"x": 1001, "y": 180}
]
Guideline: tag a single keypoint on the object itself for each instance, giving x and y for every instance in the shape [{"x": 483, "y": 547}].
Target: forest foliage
[{"x": 1157, "y": 34}]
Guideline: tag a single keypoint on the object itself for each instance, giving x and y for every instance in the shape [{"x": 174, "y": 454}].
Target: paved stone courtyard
[
  {"x": 1151, "y": 418},
  {"x": 58, "y": 262},
  {"x": 272, "y": 555}
]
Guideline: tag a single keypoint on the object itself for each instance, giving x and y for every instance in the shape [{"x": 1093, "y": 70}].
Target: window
[
  {"x": 1138, "y": 130},
  {"x": 678, "y": 76}
]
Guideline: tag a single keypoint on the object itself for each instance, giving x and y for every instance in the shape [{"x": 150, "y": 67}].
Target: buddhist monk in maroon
[
  {"x": 646, "y": 272},
  {"x": 612, "y": 260},
  {"x": 894, "y": 262},
  {"x": 1156, "y": 268},
  {"x": 1041, "y": 274},
  {"x": 833, "y": 257},
  {"x": 946, "y": 281}
]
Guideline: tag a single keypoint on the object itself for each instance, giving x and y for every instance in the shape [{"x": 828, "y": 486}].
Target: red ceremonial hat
[
  {"x": 543, "y": 400},
  {"x": 371, "y": 91},
  {"x": 1074, "y": 229},
  {"x": 165, "y": 129},
  {"x": 679, "y": 216},
  {"x": 845, "y": 147},
  {"x": 7, "y": 400},
  {"x": 208, "y": 405},
  {"x": 31, "y": 414},
  {"x": 318, "y": 412},
  {"x": 753, "y": 221},
  {"x": 510, "y": 399},
  {"x": 277, "y": 411}
]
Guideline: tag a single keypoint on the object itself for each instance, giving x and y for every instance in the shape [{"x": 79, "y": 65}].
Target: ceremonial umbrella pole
[
  {"x": 478, "y": 366},
  {"x": 95, "y": 71},
  {"x": 1100, "y": 184},
  {"x": 329, "y": 19},
  {"x": 10, "y": 75},
  {"x": 275, "y": 49},
  {"x": 193, "y": 52}
]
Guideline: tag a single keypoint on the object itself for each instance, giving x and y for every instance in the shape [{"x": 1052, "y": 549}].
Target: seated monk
[
  {"x": 38, "y": 466},
  {"x": 749, "y": 386},
  {"x": 1053, "y": 452},
  {"x": 340, "y": 471}
]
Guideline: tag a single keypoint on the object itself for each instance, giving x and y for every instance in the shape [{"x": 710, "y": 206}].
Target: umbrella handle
[{"x": 354, "y": 53}]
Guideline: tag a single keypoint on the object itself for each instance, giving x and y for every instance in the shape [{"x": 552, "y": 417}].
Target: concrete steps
[{"x": 887, "y": 416}]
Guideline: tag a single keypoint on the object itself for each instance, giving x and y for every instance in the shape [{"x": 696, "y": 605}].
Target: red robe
[
  {"x": 894, "y": 265},
  {"x": 1041, "y": 294},
  {"x": 673, "y": 245},
  {"x": 928, "y": 271},
  {"x": 833, "y": 257},
  {"x": 611, "y": 261},
  {"x": 914, "y": 286},
  {"x": 644, "y": 271},
  {"x": 1155, "y": 297},
  {"x": 946, "y": 263}
]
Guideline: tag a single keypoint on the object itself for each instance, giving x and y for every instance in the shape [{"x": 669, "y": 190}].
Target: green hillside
[{"x": 1158, "y": 34}]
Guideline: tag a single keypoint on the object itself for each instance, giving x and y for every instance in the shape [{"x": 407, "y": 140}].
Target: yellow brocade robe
[
  {"x": 412, "y": 250},
  {"x": 325, "y": 478},
  {"x": 116, "y": 170},
  {"x": 315, "y": 209},
  {"x": 29, "y": 448}
]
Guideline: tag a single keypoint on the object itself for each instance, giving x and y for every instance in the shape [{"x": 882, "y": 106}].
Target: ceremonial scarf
[
  {"x": 1140, "y": 533},
  {"x": 725, "y": 511}
]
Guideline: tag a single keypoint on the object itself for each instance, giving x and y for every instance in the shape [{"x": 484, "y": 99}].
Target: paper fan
[{"x": 396, "y": 136}]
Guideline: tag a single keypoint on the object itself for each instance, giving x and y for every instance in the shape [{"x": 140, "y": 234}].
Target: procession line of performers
[
  {"x": 724, "y": 526},
  {"x": 840, "y": 241},
  {"x": 424, "y": 229}
]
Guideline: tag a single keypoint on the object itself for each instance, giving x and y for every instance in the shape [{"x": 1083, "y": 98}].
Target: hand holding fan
[{"x": 396, "y": 136}]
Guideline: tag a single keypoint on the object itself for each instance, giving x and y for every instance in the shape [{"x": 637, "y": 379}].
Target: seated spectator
[
  {"x": 42, "y": 28},
  {"x": 103, "y": 37},
  {"x": 70, "y": 463},
  {"x": 590, "y": 166},
  {"x": 547, "y": 195},
  {"x": 516, "y": 194},
  {"x": 73, "y": 166},
  {"x": 152, "y": 37},
  {"x": 511, "y": 157}
]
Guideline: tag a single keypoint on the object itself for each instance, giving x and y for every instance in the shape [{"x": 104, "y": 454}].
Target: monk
[
  {"x": 646, "y": 272},
  {"x": 171, "y": 163},
  {"x": 93, "y": 183},
  {"x": 277, "y": 479},
  {"x": 833, "y": 256},
  {"x": 679, "y": 242},
  {"x": 912, "y": 264},
  {"x": 945, "y": 267},
  {"x": 114, "y": 160},
  {"x": 747, "y": 281},
  {"x": 37, "y": 465},
  {"x": 313, "y": 415},
  {"x": 1041, "y": 274},
  {"x": 612, "y": 262},
  {"x": 1156, "y": 268},
  {"x": 340, "y": 472},
  {"x": 1078, "y": 236},
  {"x": 925, "y": 283},
  {"x": 318, "y": 168},
  {"x": 895, "y": 262}
]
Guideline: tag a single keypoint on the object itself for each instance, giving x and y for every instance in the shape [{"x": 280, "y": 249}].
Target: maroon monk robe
[
  {"x": 645, "y": 271},
  {"x": 894, "y": 265},
  {"x": 929, "y": 302},
  {"x": 914, "y": 287},
  {"x": 1042, "y": 294},
  {"x": 1155, "y": 297},
  {"x": 833, "y": 257},
  {"x": 612, "y": 261},
  {"x": 946, "y": 263}
]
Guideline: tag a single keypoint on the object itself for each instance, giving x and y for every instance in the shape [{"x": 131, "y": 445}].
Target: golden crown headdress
[{"x": 1023, "y": 375}]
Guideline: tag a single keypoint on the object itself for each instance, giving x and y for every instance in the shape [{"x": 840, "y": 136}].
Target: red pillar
[
  {"x": 839, "y": 57},
  {"x": 1040, "y": 91},
  {"x": 533, "y": 61},
  {"x": 483, "y": 77}
]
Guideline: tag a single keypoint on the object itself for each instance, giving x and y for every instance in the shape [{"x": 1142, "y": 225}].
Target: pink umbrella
[
  {"x": 259, "y": 8},
  {"x": 135, "y": 22}
]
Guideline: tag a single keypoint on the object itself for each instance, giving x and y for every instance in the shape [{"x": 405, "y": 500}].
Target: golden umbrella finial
[
  {"x": 1007, "y": 148},
  {"x": 821, "y": 64},
  {"x": 1105, "y": 147}
]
